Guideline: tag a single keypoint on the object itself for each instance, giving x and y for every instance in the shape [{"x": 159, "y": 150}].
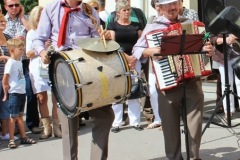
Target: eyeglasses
[
  {"x": 96, "y": 8},
  {"x": 3, "y": 21},
  {"x": 12, "y": 5}
]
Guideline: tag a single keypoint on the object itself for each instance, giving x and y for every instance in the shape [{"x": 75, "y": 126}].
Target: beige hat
[{"x": 164, "y": 1}]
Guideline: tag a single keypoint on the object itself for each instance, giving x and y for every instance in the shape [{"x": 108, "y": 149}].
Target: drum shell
[{"x": 96, "y": 79}]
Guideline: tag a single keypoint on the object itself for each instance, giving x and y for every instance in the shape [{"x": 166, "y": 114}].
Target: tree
[
  {"x": 28, "y": 5},
  {"x": 2, "y": 7}
]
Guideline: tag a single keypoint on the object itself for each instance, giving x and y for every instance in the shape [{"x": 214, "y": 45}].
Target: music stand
[
  {"x": 181, "y": 45},
  {"x": 172, "y": 45}
]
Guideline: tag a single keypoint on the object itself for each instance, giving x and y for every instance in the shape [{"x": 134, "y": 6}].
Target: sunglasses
[
  {"x": 96, "y": 8},
  {"x": 12, "y": 5}
]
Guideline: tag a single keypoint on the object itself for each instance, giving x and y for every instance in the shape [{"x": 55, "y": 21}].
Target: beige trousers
[
  {"x": 170, "y": 103},
  {"x": 103, "y": 118}
]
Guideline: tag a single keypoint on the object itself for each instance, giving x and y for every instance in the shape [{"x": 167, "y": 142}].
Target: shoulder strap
[
  {"x": 140, "y": 16},
  {"x": 113, "y": 16}
]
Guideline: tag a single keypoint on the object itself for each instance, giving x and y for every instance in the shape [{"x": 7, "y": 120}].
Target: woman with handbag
[
  {"x": 39, "y": 78},
  {"x": 126, "y": 33}
]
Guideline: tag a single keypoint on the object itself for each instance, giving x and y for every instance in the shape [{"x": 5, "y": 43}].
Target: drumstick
[{"x": 103, "y": 38}]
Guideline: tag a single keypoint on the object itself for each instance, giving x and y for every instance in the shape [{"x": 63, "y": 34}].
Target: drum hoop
[
  {"x": 75, "y": 75},
  {"x": 77, "y": 81},
  {"x": 60, "y": 104},
  {"x": 127, "y": 69}
]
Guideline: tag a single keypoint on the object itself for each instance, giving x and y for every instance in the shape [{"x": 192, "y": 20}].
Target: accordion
[{"x": 168, "y": 71}]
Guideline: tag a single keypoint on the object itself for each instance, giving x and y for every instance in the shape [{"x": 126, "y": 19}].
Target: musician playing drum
[
  {"x": 81, "y": 24},
  {"x": 171, "y": 100}
]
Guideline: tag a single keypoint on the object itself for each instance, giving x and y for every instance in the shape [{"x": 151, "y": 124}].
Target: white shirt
[
  {"x": 104, "y": 15},
  {"x": 16, "y": 78}
]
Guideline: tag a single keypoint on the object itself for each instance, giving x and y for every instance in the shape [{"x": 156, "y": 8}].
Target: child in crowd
[{"x": 14, "y": 91}]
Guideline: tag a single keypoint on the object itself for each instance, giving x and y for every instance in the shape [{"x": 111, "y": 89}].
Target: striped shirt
[{"x": 5, "y": 52}]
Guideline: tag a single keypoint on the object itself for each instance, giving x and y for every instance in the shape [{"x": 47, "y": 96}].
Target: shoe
[
  {"x": 123, "y": 123},
  {"x": 36, "y": 130},
  {"x": 138, "y": 127},
  {"x": 7, "y": 137},
  {"x": 153, "y": 125},
  {"x": 12, "y": 144},
  {"x": 27, "y": 140},
  {"x": 115, "y": 129}
]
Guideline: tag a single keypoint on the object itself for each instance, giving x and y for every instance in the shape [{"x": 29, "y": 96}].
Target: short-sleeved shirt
[
  {"x": 16, "y": 77},
  {"x": 125, "y": 35},
  {"x": 15, "y": 28}
]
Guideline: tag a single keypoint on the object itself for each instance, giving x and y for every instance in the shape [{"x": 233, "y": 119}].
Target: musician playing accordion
[{"x": 170, "y": 100}]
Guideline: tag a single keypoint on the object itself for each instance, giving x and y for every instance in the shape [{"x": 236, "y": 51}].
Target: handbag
[
  {"x": 43, "y": 70},
  {"x": 139, "y": 89}
]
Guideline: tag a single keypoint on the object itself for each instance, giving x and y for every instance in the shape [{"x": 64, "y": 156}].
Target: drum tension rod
[
  {"x": 89, "y": 105},
  {"x": 126, "y": 74},
  {"x": 117, "y": 97},
  {"x": 119, "y": 75},
  {"x": 81, "y": 85},
  {"x": 78, "y": 59}
]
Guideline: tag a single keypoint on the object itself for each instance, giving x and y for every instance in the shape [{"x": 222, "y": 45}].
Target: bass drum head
[{"x": 63, "y": 85}]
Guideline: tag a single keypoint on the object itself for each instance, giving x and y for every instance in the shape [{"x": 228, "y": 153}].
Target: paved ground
[{"x": 218, "y": 143}]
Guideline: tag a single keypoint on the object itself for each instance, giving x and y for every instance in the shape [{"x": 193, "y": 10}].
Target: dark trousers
[
  {"x": 32, "y": 116},
  {"x": 103, "y": 119}
]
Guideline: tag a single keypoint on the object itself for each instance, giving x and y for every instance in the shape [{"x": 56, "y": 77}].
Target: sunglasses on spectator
[
  {"x": 96, "y": 8},
  {"x": 12, "y": 5}
]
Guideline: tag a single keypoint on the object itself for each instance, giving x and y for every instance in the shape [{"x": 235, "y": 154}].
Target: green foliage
[
  {"x": 2, "y": 6},
  {"x": 28, "y": 5}
]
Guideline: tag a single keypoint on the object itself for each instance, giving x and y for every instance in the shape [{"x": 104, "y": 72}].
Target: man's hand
[
  {"x": 131, "y": 61},
  {"x": 21, "y": 12},
  {"x": 44, "y": 56},
  {"x": 105, "y": 33},
  {"x": 151, "y": 52},
  {"x": 209, "y": 49}
]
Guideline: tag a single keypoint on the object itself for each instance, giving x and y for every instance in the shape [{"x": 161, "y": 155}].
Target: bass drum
[{"x": 83, "y": 80}]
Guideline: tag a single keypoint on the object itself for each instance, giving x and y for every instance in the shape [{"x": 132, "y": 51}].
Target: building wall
[{"x": 143, "y": 4}]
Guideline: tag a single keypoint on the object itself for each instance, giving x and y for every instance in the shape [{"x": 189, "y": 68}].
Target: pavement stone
[{"x": 218, "y": 143}]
